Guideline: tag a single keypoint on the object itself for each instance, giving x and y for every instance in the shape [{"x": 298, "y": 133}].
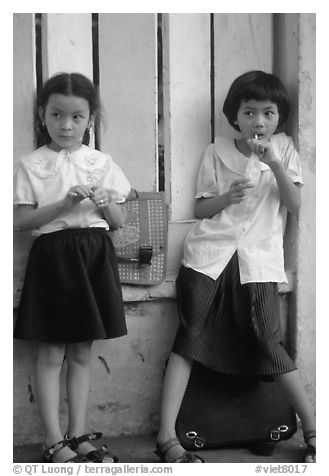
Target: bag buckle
[
  {"x": 275, "y": 434},
  {"x": 145, "y": 255},
  {"x": 197, "y": 440},
  {"x": 283, "y": 428}
]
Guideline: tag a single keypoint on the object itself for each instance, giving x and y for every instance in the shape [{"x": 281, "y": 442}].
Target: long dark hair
[
  {"x": 68, "y": 84},
  {"x": 260, "y": 86}
]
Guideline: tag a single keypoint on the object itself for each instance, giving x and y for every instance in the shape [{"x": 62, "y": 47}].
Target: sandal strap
[
  {"x": 97, "y": 456},
  {"x": 308, "y": 435},
  {"x": 75, "y": 441},
  {"x": 188, "y": 457},
  {"x": 165, "y": 447},
  {"x": 48, "y": 452},
  {"x": 78, "y": 459},
  {"x": 310, "y": 450}
]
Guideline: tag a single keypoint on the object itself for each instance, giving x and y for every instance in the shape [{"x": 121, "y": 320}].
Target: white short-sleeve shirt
[
  {"x": 45, "y": 176},
  {"x": 253, "y": 228}
]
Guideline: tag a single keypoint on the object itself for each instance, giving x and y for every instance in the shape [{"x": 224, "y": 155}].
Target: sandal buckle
[
  {"x": 94, "y": 436},
  {"x": 48, "y": 453}
]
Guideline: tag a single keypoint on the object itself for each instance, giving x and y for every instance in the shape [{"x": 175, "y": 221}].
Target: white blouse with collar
[
  {"x": 253, "y": 228},
  {"x": 45, "y": 176}
]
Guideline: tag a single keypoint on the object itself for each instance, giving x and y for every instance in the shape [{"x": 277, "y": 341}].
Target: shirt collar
[{"x": 232, "y": 157}]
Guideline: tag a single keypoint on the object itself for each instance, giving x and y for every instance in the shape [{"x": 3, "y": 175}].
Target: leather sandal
[
  {"x": 98, "y": 455},
  {"x": 310, "y": 448},
  {"x": 187, "y": 457},
  {"x": 48, "y": 453}
]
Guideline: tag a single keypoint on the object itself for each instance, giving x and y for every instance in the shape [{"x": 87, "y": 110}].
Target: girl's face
[
  {"x": 257, "y": 117},
  {"x": 66, "y": 118}
]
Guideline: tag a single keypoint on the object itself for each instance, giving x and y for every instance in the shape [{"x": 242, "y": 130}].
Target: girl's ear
[{"x": 91, "y": 121}]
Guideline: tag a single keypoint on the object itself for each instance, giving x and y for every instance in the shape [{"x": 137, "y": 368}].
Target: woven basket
[{"x": 141, "y": 243}]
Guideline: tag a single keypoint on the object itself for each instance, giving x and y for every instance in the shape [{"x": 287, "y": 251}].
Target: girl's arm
[
  {"x": 114, "y": 214},
  {"x": 28, "y": 217},
  {"x": 289, "y": 191},
  {"x": 208, "y": 207}
]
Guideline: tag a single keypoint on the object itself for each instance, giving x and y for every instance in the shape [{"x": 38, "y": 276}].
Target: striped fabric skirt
[{"x": 229, "y": 327}]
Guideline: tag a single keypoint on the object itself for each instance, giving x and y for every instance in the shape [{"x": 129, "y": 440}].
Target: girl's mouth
[{"x": 258, "y": 136}]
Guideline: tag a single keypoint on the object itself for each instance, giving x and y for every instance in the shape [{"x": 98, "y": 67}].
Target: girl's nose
[
  {"x": 259, "y": 122},
  {"x": 66, "y": 125}
]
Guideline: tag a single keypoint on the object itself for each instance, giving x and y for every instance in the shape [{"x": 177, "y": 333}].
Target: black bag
[{"x": 225, "y": 411}]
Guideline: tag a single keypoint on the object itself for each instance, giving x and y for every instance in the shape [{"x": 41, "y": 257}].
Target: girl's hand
[
  {"x": 237, "y": 189},
  {"x": 263, "y": 149},
  {"x": 75, "y": 195},
  {"x": 100, "y": 197}
]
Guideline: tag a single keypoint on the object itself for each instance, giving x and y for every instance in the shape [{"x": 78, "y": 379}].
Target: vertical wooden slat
[
  {"x": 187, "y": 119},
  {"x": 24, "y": 83},
  {"x": 242, "y": 42},
  {"x": 67, "y": 43},
  {"x": 128, "y": 88},
  {"x": 186, "y": 105},
  {"x": 24, "y": 87}
]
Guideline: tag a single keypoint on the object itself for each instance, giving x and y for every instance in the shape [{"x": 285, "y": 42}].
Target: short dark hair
[
  {"x": 68, "y": 84},
  {"x": 260, "y": 86}
]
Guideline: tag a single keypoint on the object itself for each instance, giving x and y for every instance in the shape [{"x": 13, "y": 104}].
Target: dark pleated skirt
[
  {"x": 72, "y": 290},
  {"x": 229, "y": 327}
]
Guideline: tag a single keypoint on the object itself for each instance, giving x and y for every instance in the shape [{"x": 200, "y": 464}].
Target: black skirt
[
  {"x": 229, "y": 327},
  {"x": 72, "y": 290}
]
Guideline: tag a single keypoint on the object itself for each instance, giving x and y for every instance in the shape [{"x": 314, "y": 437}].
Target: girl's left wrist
[{"x": 274, "y": 164}]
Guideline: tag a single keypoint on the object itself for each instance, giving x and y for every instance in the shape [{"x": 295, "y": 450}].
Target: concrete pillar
[{"x": 306, "y": 271}]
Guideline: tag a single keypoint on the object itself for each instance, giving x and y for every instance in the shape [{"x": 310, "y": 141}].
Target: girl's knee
[
  {"x": 79, "y": 353},
  {"x": 50, "y": 355}
]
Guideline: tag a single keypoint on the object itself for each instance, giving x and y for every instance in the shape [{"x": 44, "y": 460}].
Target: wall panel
[
  {"x": 242, "y": 42},
  {"x": 67, "y": 43},
  {"x": 24, "y": 86},
  {"x": 186, "y": 106},
  {"x": 128, "y": 88}
]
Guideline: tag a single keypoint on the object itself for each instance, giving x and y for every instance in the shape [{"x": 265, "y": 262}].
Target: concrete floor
[{"x": 140, "y": 449}]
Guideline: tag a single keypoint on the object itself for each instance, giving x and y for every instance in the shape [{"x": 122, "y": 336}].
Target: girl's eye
[{"x": 249, "y": 113}]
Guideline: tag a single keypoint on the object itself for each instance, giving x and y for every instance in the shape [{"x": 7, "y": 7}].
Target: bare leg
[
  {"x": 293, "y": 388},
  {"x": 78, "y": 386},
  {"x": 175, "y": 383},
  {"x": 47, "y": 386}
]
